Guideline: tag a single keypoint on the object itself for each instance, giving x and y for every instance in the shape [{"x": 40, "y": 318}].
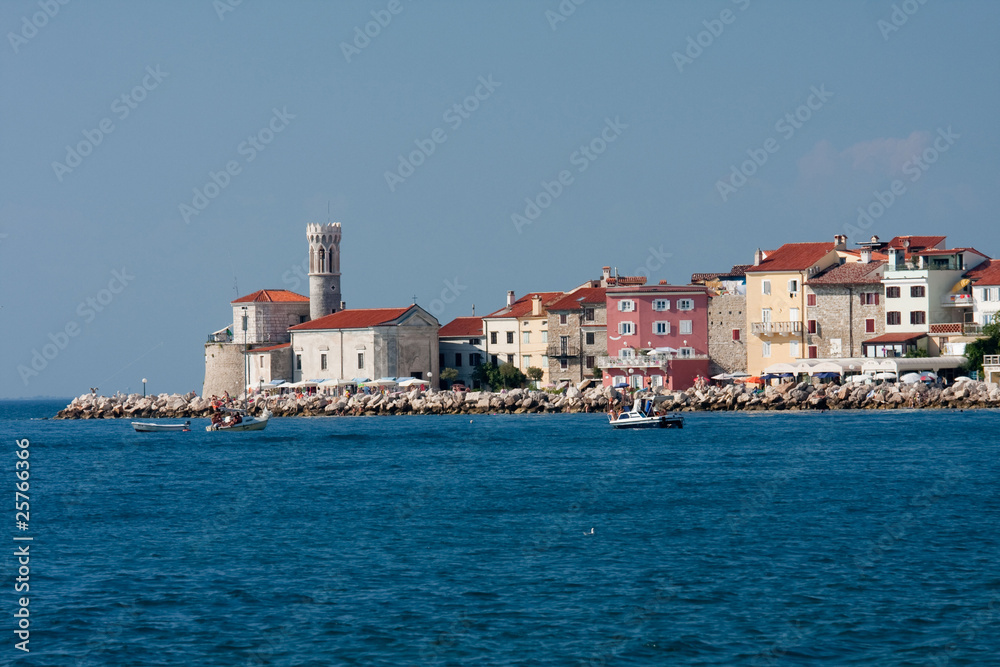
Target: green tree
[
  {"x": 449, "y": 375},
  {"x": 534, "y": 374},
  {"x": 486, "y": 375},
  {"x": 510, "y": 375},
  {"x": 988, "y": 344}
]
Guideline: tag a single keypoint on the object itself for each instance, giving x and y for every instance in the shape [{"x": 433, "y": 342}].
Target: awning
[{"x": 886, "y": 339}]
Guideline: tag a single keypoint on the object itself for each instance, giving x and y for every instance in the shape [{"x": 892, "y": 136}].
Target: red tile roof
[
  {"x": 627, "y": 280},
  {"x": 522, "y": 307},
  {"x": 736, "y": 271},
  {"x": 273, "y": 296},
  {"x": 657, "y": 289},
  {"x": 917, "y": 242},
  {"x": 987, "y": 273},
  {"x": 359, "y": 318},
  {"x": 947, "y": 251},
  {"x": 462, "y": 326},
  {"x": 852, "y": 273},
  {"x": 575, "y": 300},
  {"x": 269, "y": 349},
  {"x": 894, "y": 338},
  {"x": 793, "y": 257}
]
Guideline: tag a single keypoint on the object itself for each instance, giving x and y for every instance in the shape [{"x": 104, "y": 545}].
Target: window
[
  {"x": 493, "y": 338},
  {"x": 525, "y": 361},
  {"x": 917, "y": 291},
  {"x": 474, "y": 341},
  {"x": 589, "y": 337},
  {"x": 262, "y": 361},
  {"x": 458, "y": 360},
  {"x": 870, "y": 325},
  {"x": 361, "y": 360},
  {"x": 626, "y": 305},
  {"x": 588, "y": 314},
  {"x": 918, "y": 317},
  {"x": 298, "y": 362},
  {"x": 656, "y": 380},
  {"x": 793, "y": 349},
  {"x": 526, "y": 337},
  {"x": 510, "y": 337},
  {"x": 322, "y": 362},
  {"x": 494, "y": 359},
  {"x": 545, "y": 362},
  {"x": 626, "y": 328},
  {"x": 765, "y": 349},
  {"x": 562, "y": 318},
  {"x": 765, "y": 315},
  {"x": 661, "y": 328},
  {"x": 591, "y": 361},
  {"x": 893, "y": 317},
  {"x": 793, "y": 314},
  {"x": 685, "y": 327},
  {"x": 813, "y": 352},
  {"x": 812, "y": 326},
  {"x": 685, "y": 304},
  {"x": 685, "y": 352},
  {"x": 892, "y": 292},
  {"x": 475, "y": 359},
  {"x": 661, "y": 304},
  {"x": 545, "y": 336},
  {"x": 441, "y": 361},
  {"x": 793, "y": 286},
  {"x": 626, "y": 353},
  {"x": 510, "y": 358},
  {"x": 869, "y": 298},
  {"x": 736, "y": 334},
  {"x": 810, "y": 299},
  {"x": 563, "y": 364},
  {"x": 765, "y": 287}
]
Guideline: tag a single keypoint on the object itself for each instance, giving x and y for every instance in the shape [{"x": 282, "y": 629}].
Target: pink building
[{"x": 657, "y": 336}]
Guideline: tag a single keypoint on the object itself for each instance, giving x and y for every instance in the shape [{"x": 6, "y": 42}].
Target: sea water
[{"x": 742, "y": 539}]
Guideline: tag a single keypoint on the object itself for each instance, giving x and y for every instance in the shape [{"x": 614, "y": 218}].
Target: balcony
[
  {"x": 772, "y": 328},
  {"x": 956, "y": 329},
  {"x": 220, "y": 337},
  {"x": 650, "y": 361},
  {"x": 991, "y": 360},
  {"x": 568, "y": 349},
  {"x": 956, "y": 300}
]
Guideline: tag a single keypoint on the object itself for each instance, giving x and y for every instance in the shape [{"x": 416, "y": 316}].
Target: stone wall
[
  {"x": 727, "y": 312},
  {"x": 268, "y": 322},
  {"x": 577, "y": 329},
  {"x": 840, "y": 320},
  {"x": 223, "y": 369}
]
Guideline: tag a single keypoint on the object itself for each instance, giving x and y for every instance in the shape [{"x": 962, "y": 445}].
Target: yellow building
[
  {"x": 776, "y": 300},
  {"x": 519, "y": 332}
]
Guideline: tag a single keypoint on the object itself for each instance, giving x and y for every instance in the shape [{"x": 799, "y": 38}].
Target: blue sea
[{"x": 837, "y": 538}]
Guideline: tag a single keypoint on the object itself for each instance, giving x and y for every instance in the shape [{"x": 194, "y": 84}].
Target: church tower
[{"x": 324, "y": 269}]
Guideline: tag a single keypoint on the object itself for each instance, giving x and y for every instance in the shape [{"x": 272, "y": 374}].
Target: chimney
[
  {"x": 536, "y": 306},
  {"x": 874, "y": 238},
  {"x": 839, "y": 242},
  {"x": 758, "y": 257},
  {"x": 510, "y": 298},
  {"x": 866, "y": 255}
]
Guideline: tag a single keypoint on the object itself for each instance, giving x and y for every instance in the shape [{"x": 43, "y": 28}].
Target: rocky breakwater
[{"x": 788, "y": 396}]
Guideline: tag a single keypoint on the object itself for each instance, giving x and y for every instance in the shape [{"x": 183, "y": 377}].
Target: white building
[
  {"x": 985, "y": 282},
  {"x": 367, "y": 342},
  {"x": 461, "y": 346}
]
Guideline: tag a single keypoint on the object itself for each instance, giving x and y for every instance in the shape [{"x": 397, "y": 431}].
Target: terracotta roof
[
  {"x": 462, "y": 326},
  {"x": 360, "y": 318},
  {"x": 948, "y": 251},
  {"x": 273, "y": 296},
  {"x": 793, "y": 257},
  {"x": 737, "y": 271},
  {"x": 895, "y": 338},
  {"x": 856, "y": 252},
  {"x": 269, "y": 349},
  {"x": 987, "y": 273},
  {"x": 916, "y": 242},
  {"x": 658, "y": 289},
  {"x": 852, "y": 273},
  {"x": 627, "y": 280},
  {"x": 522, "y": 307},
  {"x": 575, "y": 300}
]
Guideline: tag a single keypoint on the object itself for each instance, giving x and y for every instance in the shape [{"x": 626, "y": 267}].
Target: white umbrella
[
  {"x": 910, "y": 378},
  {"x": 962, "y": 378},
  {"x": 885, "y": 375},
  {"x": 723, "y": 376}
]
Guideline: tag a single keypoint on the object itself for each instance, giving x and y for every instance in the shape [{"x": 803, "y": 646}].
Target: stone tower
[{"x": 324, "y": 269}]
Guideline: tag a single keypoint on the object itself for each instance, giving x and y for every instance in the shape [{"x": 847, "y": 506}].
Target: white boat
[
  {"x": 151, "y": 427},
  {"x": 642, "y": 415},
  {"x": 238, "y": 420}
]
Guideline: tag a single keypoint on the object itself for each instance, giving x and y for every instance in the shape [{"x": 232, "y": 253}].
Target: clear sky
[{"x": 628, "y": 124}]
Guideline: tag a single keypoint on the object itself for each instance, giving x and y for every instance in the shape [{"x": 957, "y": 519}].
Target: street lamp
[{"x": 144, "y": 387}]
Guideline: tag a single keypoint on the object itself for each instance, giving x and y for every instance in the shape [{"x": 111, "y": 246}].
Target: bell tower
[{"x": 324, "y": 269}]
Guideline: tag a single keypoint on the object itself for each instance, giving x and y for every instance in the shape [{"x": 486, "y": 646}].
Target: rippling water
[{"x": 757, "y": 539}]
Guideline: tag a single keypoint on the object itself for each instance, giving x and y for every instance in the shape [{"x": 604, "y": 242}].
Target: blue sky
[{"x": 644, "y": 129}]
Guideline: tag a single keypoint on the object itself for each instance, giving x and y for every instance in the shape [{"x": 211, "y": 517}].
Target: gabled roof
[
  {"x": 575, "y": 300},
  {"x": 268, "y": 349},
  {"x": 462, "y": 326},
  {"x": 272, "y": 296},
  {"x": 852, "y": 273},
  {"x": 895, "y": 338},
  {"x": 793, "y": 257},
  {"x": 948, "y": 251},
  {"x": 987, "y": 273},
  {"x": 916, "y": 242},
  {"x": 522, "y": 307},
  {"x": 359, "y": 318}
]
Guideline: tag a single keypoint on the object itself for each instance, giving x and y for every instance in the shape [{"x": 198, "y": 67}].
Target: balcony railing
[
  {"x": 650, "y": 361},
  {"x": 956, "y": 329},
  {"x": 220, "y": 338},
  {"x": 991, "y": 360},
  {"x": 956, "y": 300},
  {"x": 769, "y": 328},
  {"x": 558, "y": 349}
]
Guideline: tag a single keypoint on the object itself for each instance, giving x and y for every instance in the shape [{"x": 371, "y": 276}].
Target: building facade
[
  {"x": 577, "y": 334},
  {"x": 461, "y": 346},
  {"x": 657, "y": 336},
  {"x": 727, "y": 333},
  {"x": 845, "y": 306}
]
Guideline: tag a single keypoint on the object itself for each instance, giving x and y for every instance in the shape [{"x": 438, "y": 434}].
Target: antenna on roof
[{"x": 473, "y": 310}]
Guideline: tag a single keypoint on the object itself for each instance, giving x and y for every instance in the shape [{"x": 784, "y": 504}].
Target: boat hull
[
  {"x": 147, "y": 427},
  {"x": 649, "y": 422},
  {"x": 247, "y": 424}
]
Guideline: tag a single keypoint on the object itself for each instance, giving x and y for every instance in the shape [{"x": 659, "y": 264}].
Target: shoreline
[{"x": 729, "y": 398}]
